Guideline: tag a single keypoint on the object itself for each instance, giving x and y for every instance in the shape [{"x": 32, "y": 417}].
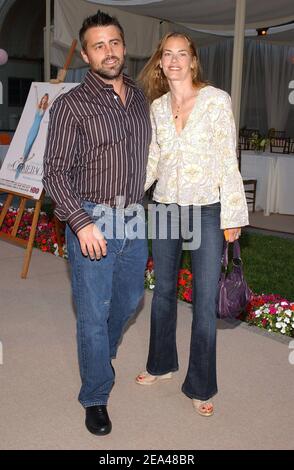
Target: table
[
  {"x": 284, "y": 178},
  {"x": 275, "y": 175}
]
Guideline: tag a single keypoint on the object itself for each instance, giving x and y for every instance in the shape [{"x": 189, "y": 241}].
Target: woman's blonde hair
[
  {"x": 152, "y": 78},
  {"x": 42, "y": 104}
]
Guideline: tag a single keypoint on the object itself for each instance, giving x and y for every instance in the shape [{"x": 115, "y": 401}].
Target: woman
[
  {"x": 41, "y": 107},
  {"x": 193, "y": 158}
]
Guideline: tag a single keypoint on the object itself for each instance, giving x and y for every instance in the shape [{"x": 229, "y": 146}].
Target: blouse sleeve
[
  {"x": 154, "y": 154},
  {"x": 234, "y": 211}
]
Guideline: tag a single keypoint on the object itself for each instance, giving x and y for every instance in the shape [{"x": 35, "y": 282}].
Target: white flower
[
  {"x": 288, "y": 312},
  {"x": 56, "y": 253},
  {"x": 279, "y": 324},
  {"x": 266, "y": 310}
]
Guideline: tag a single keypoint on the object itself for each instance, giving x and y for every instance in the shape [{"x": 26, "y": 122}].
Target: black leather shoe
[{"x": 97, "y": 420}]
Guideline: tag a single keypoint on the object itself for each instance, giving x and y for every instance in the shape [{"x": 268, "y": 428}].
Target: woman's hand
[{"x": 232, "y": 234}]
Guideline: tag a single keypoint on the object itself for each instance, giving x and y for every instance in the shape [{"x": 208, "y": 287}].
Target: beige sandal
[
  {"x": 147, "y": 379},
  {"x": 203, "y": 407}
]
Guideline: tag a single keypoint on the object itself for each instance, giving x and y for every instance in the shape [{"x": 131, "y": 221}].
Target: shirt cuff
[
  {"x": 79, "y": 220},
  {"x": 240, "y": 221}
]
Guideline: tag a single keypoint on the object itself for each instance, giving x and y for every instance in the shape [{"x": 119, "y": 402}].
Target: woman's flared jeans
[{"x": 200, "y": 381}]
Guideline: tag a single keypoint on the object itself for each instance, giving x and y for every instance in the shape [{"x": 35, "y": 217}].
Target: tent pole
[
  {"x": 238, "y": 59},
  {"x": 47, "y": 42}
]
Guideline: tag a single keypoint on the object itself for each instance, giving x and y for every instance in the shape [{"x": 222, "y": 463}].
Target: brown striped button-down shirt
[{"x": 96, "y": 148}]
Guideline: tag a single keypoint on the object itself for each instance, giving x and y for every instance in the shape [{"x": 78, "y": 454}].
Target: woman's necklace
[
  {"x": 178, "y": 107},
  {"x": 176, "y": 115}
]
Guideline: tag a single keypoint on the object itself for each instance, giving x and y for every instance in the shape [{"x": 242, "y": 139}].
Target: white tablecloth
[
  {"x": 275, "y": 176},
  {"x": 284, "y": 178}
]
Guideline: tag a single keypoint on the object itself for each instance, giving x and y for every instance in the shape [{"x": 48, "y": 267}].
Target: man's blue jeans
[
  {"x": 200, "y": 381},
  {"x": 106, "y": 293}
]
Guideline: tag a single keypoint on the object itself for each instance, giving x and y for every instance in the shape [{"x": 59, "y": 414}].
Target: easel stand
[{"x": 13, "y": 238}]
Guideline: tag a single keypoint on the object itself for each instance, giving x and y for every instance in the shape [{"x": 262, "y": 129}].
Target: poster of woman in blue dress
[
  {"x": 22, "y": 168},
  {"x": 41, "y": 107}
]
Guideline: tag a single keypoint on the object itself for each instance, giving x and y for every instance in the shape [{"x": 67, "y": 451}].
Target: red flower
[
  {"x": 150, "y": 264},
  {"x": 187, "y": 294}
]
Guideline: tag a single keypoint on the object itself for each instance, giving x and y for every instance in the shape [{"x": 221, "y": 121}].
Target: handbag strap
[{"x": 236, "y": 253}]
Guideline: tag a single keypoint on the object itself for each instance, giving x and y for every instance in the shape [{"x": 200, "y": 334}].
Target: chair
[
  {"x": 244, "y": 143},
  {"x": 245, "y": 138},
  {"x": 291, "y": 146},
  {"x": 280, "y": 144},
  {"x": 249, "y": 183},
  {"x": 248, "y": 132}
]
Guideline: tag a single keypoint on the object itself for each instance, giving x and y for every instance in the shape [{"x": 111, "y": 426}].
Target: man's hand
[
  {"x": 232, "y": 234},
  {"x": 92, "y": 242}
]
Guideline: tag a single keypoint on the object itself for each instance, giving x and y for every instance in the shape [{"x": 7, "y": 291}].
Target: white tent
[
  {"x": 145, "y": 21},
  {"x": 209, "y": 14},
  {"x": 268, "y": 61}
]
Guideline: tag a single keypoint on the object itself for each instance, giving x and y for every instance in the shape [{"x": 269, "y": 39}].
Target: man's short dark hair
[{"x": 100, "y": 19}]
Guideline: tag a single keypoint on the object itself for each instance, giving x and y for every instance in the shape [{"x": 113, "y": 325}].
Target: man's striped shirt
[{"x": 96, "y": 148}]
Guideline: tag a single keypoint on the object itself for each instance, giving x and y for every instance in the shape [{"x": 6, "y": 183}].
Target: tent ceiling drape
[
  {"x": 210, "y": 14},
  {"x": 141, "y": 33},
  {"x": 267, "y": 13},
  {"x": 146, "y": 20}
]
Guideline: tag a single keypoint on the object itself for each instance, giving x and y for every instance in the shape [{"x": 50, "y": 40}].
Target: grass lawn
[{"x": 268, "y": 264}]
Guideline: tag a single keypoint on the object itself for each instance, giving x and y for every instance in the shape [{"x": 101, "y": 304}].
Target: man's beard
[{"x": 110, "y": 74}]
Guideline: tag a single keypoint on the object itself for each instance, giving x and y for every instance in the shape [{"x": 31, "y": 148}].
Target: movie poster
[{"x": 22, "y": 168}]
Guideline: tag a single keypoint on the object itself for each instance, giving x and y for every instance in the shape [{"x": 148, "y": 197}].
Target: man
[{"x": 96, "y": 154}]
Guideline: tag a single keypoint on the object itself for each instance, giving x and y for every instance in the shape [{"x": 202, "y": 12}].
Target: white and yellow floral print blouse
[{"x": 199, "y": 165}]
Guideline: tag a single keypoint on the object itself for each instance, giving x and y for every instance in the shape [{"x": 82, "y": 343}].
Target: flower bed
[
  {"x": 270, "y": 312},
  {"x": 45, "y": 238}
]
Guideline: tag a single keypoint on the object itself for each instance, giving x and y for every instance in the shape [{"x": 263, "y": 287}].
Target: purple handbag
[{"x": 233, "y": 291}]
